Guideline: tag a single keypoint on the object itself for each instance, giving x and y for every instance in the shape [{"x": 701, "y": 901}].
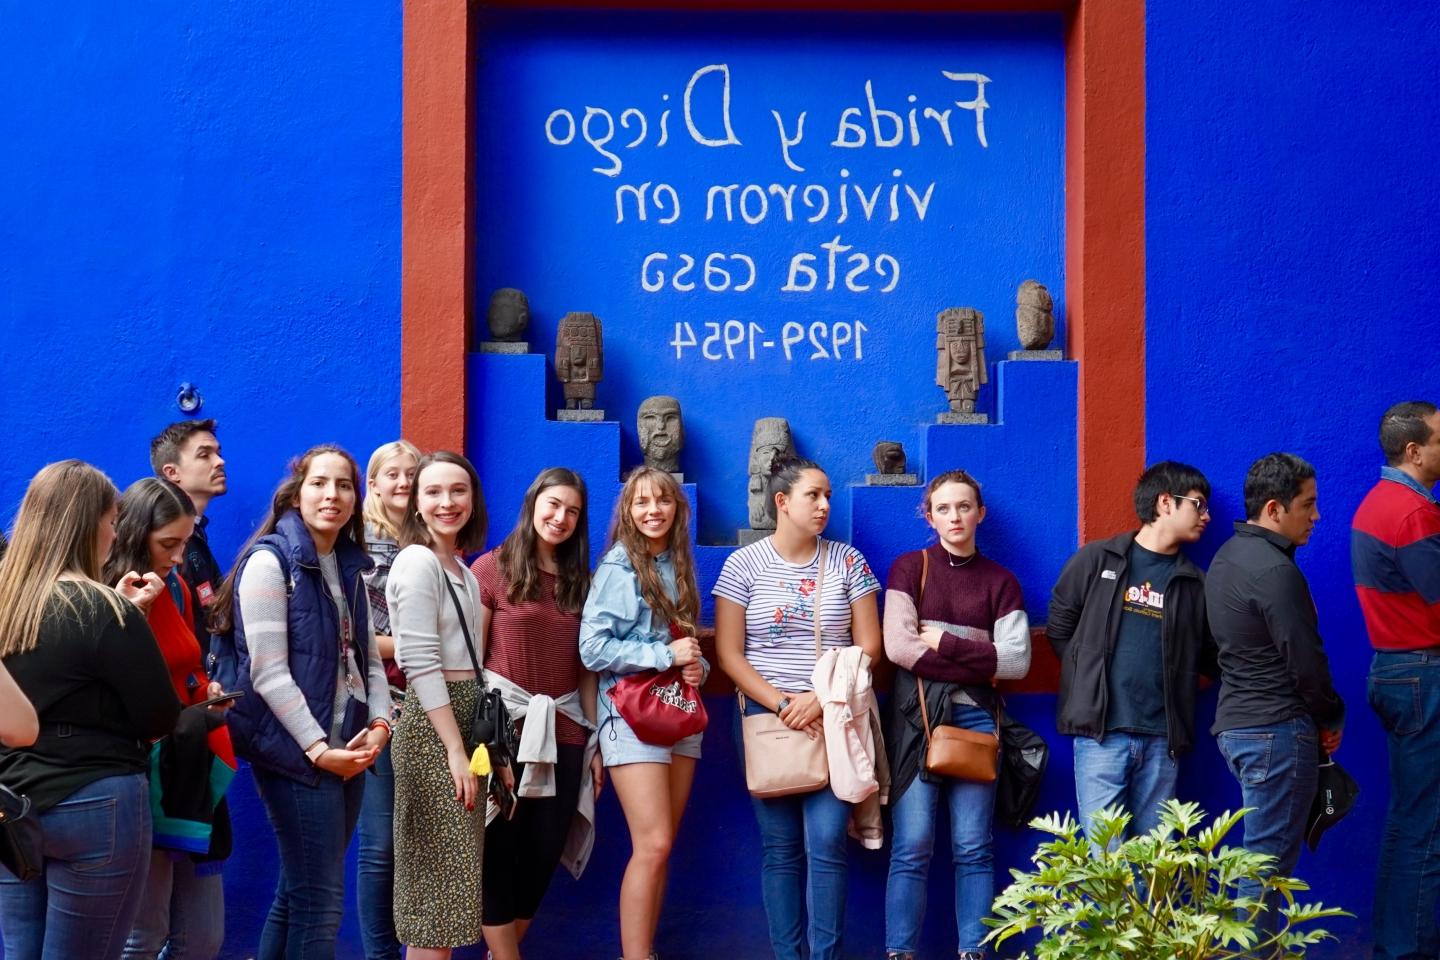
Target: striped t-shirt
[{"x": 779, "y": 601}]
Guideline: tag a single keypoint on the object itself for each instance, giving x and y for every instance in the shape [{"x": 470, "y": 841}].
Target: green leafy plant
[{"x": 1171, "y": 893}]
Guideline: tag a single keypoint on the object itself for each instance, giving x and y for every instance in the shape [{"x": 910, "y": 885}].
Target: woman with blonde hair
[
  {"x": 82, "y": 653},
  {"x": 641, "y": 615},
  {"x": 388, "y": 477}
]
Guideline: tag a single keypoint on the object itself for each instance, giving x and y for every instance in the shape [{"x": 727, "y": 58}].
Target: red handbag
[{"x": 660, "y": 707}]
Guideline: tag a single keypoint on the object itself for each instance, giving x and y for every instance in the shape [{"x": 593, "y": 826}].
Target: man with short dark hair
[
  {"x": 1395, "y": 558},
  {"x": 188, "y": 455},
  {"x": 1127, "y": 621},
  {"x": 1278, "y": 706}
]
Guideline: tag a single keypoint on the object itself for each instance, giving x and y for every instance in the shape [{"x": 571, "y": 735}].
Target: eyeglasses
[{"x": 1202, "y": 506}]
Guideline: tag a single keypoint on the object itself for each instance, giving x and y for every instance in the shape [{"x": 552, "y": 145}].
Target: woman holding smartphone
[
  {"x": 532, "y": 589},
  {"x": 435, "y": 619},
  {"x": 766, "y": 606},
  {"x": 183, "y": 908},
  {"x": 317, "y": 710},
  {"x": 641, "y": 615}
]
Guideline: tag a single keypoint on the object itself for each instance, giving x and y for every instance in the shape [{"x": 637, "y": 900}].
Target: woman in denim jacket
[{"x": 640, "y": 615}]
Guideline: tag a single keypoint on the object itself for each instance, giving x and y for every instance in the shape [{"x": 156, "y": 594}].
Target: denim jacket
[
  {"x": 618, "y": 631},
  {"x": 1405, "y": 480}
]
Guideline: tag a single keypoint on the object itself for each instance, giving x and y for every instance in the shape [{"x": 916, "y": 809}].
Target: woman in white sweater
[{"x": 435, "y": 607}]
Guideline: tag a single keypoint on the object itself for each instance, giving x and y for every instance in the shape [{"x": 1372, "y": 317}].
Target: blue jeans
[
  {"x": 802, "y": 868},
  {"x": 1131, "y": 769},
  {"x": 313, "y": 826},
  {"x": 971, "y": 808},
  {"x": 97, "y": 852},
  {"x": 1404, "y": 689},
  {"x": 375, "y": 869},
  {"x": 182, "y": 913},
  {"x": 1278, "y": 767}
]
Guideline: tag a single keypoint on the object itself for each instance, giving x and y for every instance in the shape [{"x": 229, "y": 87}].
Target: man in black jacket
[
  {"x": 1277, "y": 706},
  {"x": 1127, "y": 621}
]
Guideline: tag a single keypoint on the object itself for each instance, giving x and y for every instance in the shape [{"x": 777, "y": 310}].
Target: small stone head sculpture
[
  {"x": 662, "y": 432},
  {"x": 889, "y": 457},
  {"x": 769, "y": 440},
  {"x": 1034, "y": 315},
  {"x": 509, "y": 315}
]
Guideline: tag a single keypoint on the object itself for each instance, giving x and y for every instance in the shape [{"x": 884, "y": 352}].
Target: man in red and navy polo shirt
[{"x": 1395, "y": 555}]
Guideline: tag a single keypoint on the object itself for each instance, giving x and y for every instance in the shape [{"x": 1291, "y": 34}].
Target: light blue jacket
[{"x": 618, "y": 631}]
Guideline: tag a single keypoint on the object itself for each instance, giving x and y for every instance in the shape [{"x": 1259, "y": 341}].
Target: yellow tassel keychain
[{"x": 480, "y": 761}]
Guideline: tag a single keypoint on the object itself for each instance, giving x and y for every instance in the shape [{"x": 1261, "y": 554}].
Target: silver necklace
[{"x": 951, "y": 557}]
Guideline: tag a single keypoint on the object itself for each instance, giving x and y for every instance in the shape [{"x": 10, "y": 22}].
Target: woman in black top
[{"x": 85, "y": 657}]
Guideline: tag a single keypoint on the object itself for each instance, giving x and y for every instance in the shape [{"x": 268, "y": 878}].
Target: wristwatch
[{"x": 780, "y": 707}]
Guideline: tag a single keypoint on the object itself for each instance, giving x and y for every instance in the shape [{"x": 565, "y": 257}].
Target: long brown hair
[
  {"x": 686, "y": 607},
  {"x": 222, "y": 611},
  {"x": 146, "y": 505},
  {"x": 55, "y": 533},
  {"x": 517, "y": 556},
  {"x": 472, "y": 534}
]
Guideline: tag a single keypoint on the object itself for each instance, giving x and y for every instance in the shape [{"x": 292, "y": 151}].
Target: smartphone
[
  {"x": 223, "y": 698},
  {"x": 504, "y": 796}
]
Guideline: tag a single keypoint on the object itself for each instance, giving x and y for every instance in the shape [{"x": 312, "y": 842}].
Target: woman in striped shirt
[{"x": 765, "y": 610}]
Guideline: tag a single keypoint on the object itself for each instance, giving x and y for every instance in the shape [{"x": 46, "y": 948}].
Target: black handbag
[
  {"x": 1023, "y": 759},
  {"x": 491, "y": 724},
  {"x": 21, "y": 843}
]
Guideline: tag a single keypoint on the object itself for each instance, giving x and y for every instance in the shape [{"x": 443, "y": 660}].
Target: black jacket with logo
[
  {"x": 1272, "y": 660},
  {"x": 1085, "y": 621}
]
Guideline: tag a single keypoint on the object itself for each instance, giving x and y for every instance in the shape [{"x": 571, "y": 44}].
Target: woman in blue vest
[{"x": 317, "y": 708}]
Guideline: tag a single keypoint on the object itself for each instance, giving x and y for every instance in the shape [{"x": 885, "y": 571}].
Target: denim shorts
[{"x": 619, "y": 745}]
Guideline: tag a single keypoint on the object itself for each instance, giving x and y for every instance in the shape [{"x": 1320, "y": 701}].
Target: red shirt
[
  {"x": 175, "y": 635},
  {"x": 533, "y": 644}
]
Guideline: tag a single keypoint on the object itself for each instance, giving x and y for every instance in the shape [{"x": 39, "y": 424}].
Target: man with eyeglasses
[
  {"x": 1395, "y": 557},
  {"x": 1277, "y": 706},
  {"x": 1127, "y": 621}
]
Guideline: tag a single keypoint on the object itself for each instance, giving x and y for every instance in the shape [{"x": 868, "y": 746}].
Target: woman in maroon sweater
[
  {"x": 954, "y": 623},
  {"x": 532, "y": 589}
]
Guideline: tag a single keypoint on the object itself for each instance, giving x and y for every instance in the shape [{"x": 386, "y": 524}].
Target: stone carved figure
[
  {"x": 769, "y": 441},
  {"x": 960, "y": 348},
  {"x": 579, "y": 358},
  {"x": 662, "y": 433},
  {"x": 889, "y": 457},
  {"x": 509, "y": 315},
  {"x": 1034, "y": 315}
]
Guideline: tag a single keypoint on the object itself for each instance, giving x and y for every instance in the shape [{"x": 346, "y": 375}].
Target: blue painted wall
[
  {"x": 1292, "y": 205},
  {"x": 198, "y": 193},
  {"x": 212, "y": 194},
  {"x": 548, "y": 220}
]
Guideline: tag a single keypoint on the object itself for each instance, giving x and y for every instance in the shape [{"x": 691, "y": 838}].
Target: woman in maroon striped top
[{"x": 532, "y": 589}]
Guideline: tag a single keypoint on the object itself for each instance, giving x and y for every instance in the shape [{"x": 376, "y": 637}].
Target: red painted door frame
[{"x": 1104, "y": 222}]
